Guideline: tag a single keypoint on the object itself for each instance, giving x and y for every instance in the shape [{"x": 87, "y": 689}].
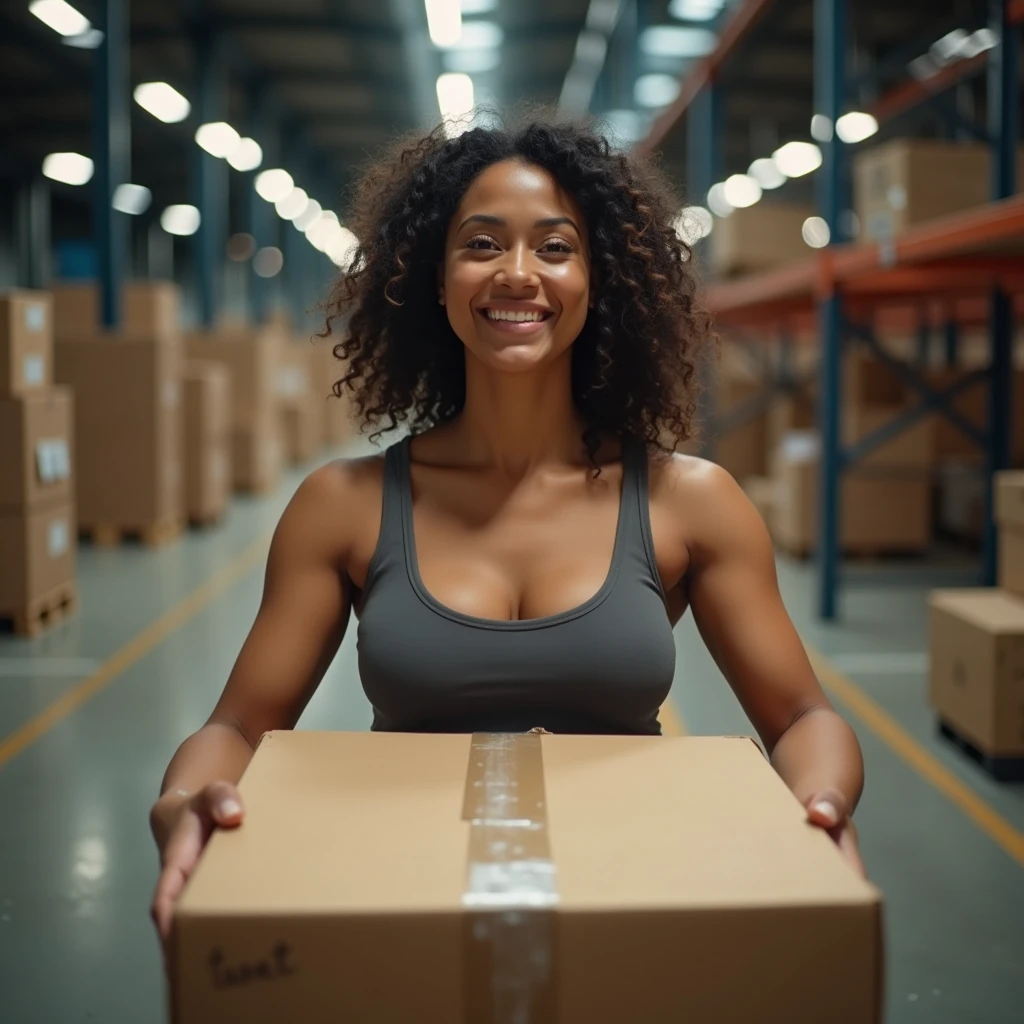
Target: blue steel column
[
  {"x": 111, "y": 154},
  {"x": 1004, "y": 121},
  {"x": 829, "y": 89}
]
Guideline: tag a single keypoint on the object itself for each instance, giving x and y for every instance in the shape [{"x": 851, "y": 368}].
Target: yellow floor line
[
  {"x": 134, "y": 650},
  {"x": 993, "y": 824},
  {"x": 672, "y": 723}
]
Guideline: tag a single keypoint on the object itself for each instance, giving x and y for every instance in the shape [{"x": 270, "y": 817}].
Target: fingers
[
  {"x": 222, "y": 804},
  {"x": 168, "y": 889},
  {"x": 827, "y": 809}
]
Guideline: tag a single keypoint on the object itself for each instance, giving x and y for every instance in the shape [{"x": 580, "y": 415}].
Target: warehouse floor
[{"x": 90, "y": 715}]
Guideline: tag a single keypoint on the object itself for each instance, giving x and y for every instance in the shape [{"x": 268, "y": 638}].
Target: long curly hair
[{"x": 634, "y": 362}]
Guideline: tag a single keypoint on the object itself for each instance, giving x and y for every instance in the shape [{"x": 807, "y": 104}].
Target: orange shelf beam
[{"x": 1015, "y": 12}]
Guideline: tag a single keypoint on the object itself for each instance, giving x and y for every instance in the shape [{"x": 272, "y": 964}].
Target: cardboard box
[
  {"x": 37, "y": 552},
  {"x": 302, "y": 429},
  {"x": 742, "y": 450},
  {"x": 208, "y": 480},
  {"x": 789, "y": 412},
  {"x": 977, "y": 667},
  {"x": 36, "y": 449},
  {"x": 302, "y": 400},
  {"x": 257, "y": 456},
  {"x": 912, "y": 448},
  {"x": 367, "y": 854},
  {"x": 206, "y": 398},
  {"x": 206, "y": 389},
  {"x": 127, "y": 429},
  {"x": 26, "y": 343},
  {"x": 881, "y": 511},
  {"x": 911, "y": 181},
  {"x": 961, "y": 488},
  {"x": 761, "y": 492},
  {"x": 149, "y": 309},
  {"x": 1009, "y": 514},
  {"x": 338, "y": 422},
  {"x": 761, "y": 237}
]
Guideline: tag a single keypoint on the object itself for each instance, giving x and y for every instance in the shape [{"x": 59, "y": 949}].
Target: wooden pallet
[
  {"x": 207, "y": 522},
  {"x": 44, "y": 612},
  {"x": 152, "y": 535},
  {"x": 1002, "y": 769}
]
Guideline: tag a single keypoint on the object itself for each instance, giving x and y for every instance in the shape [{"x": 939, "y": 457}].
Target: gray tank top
[{"x": 605, "y": 666}]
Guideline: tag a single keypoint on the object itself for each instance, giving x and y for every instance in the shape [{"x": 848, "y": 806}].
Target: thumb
[
  {"x": 222, "y": 804},
  {"x": 826, "y": 809}
]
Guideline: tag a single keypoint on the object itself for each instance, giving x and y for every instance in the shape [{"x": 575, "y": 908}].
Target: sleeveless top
[{"x": 605, "y": 666}]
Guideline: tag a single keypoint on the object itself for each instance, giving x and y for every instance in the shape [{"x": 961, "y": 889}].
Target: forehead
[{"x": 515, "y": 187}]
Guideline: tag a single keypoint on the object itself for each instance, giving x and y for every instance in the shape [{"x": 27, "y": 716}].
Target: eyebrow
[{"x": 547, "y": 222}]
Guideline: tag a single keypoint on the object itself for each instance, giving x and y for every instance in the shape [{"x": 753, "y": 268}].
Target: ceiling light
[
  {"x": 478, "y": 6},
  {"x": 292, "y": 205},
  {"x": 444, "y": 22},
  {"x": 268, "y": 261},
  {"x": 218, "y": 138},
  {"x": 676, "y": 41},
  {"x": 815, "y": 232},
  {"x": 131, "y": 199},
  {"x": 603, "y": 15},
  {"x": 717, "y": 203},
  {"x": 163, "y": 101},
  {"x": 69, "y": 168},
  {"x": 455, "y": 95},
  {"x": 766, "y": 173},
  {"x": 796, "y": 159},
  {"x": 695, "y": 10},
  {"x": 180, "y": 220},
  {"x": 273, "y": 184},
  {"x": 978, "y": 42},
  {"x": 655, "y": 90},
  {"x": 741, "y": 191},
  {"x": 821, "y": 128},
  {"x": 591, "y": 49},
  {"x": 693, "y": 224},
  {"x": 60, "y": 16},
  {"x": 856, "y": 126},
  {"x": 471, "y": 61},
  {"x": 308, "y": 215},
  {"x": 246, "y": 156},
  {"x": 948, "y": 48},
  {"x": 342, "y": 249},
  {"x": 90, "y": 39},
  {"x": 480, "y": 35},
  {"x": 240, "y": 247}
]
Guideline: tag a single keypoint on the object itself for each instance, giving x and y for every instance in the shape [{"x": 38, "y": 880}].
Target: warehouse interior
[{"x": 176, "y": 182}]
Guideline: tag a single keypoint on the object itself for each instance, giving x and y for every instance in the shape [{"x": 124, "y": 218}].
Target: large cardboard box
[
  {"x": 741, "y": 450},
  {"x": 561, "y": 879},
  {"x": 257, "y": 455},
  {"x": 302, "y": 429},
  {"x": 1009, "y": 512},
  {"x": 904, "y": 182},
  {"x": 788, "y": 412},
  {"x": 206, "y": 390},
  {"x": 36, "y": 449},
  {"x": 977, "y": 667},
  {"x": 37, "y": 554},
  {"x": 127, "y": 429},
  {"x": 961, "y": 487},
  {"x": 972, "y": 404},
  {"x": 302, "y": 401},
  {"x": 881, "y": 511},
  {"x": 912, "y": 448},
  {"x": 338, "y": 421},
  {"x": 26, "y": 343},
  {"x": 149, "y": 309},
  {"x": 761, "y": 237}
]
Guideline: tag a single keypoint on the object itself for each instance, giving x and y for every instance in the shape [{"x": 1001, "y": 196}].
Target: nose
[{"x": 516, "y": 270}]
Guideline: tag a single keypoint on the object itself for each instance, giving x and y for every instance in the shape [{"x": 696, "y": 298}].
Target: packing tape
[{"x": 511, "y": 884}]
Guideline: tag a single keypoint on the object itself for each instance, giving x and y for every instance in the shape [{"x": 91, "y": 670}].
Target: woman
[{"x": 522, "y": 301}]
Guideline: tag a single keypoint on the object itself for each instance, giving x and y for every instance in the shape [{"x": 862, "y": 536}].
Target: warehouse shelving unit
[{"x": 964, "y": 270}]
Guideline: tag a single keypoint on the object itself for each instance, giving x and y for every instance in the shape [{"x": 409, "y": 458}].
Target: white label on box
[
  {"x": 33, "y": 370},
  {"x": 35, "y": 316},
  {"x": 800, "y": 446},
  {"x": 52, "y": 460},
  {"x": 57, "y": 539},
  {"x": 897, "y": 197},
  {"x": 171, "y": 394}
]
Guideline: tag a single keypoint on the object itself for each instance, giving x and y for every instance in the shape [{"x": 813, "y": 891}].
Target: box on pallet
[
  {"x": 761, "y": 237},
  {"x": 206, "y": 422},
  {"x": 26, "y": 343},
  {"x": 742, "y": 449},
  {"x": 911, "y": 448},
  {"x": 127, "y": 429},
  {"x": 36, "y": 448},
  {"x": 37, "y": 553},
  {"x": 361, "y": 851},
  {"x": 301, "y": 405},
  {"x": 257, "y": 456},
  {"x": 977, "y": 667},
  {"x": 149, "y": 309}
]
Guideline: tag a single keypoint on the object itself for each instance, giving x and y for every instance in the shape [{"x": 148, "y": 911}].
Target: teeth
[{"x": 503, "y": 314}]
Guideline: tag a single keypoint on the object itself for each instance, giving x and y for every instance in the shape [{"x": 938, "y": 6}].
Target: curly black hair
[{"x": 634, "y": 362}]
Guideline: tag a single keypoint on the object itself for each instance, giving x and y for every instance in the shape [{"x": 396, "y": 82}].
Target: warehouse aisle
[{"x": 90, "y": 716}]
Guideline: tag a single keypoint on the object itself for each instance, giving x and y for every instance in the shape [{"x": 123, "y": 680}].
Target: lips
[{"x": 530, "y": 326}]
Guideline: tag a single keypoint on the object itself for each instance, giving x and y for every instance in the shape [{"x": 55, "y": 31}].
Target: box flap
[{"x": 988, "y": 608}]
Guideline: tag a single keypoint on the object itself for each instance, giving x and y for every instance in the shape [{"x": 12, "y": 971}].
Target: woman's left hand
[{"x": 829, "y": 811}]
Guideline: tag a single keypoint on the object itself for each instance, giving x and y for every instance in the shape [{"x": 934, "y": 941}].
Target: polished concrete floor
[{"x": 90, "y": 715}]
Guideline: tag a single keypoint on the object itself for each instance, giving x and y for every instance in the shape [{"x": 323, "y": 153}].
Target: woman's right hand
[{"x": 182, "y": 826}]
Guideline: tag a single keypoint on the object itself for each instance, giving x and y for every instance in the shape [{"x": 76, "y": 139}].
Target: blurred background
[{"x": 174, "y": 189}]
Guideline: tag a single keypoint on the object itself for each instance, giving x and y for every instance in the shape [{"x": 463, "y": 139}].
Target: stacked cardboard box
[
  {"x": 337, "y": 412},
  {"x": 251, "y": 356},
  {"x": 302, "y": 408},
  {"x": 37, "y": 514},
  {"x": 127, "y": 388},
  {"x": 206, "y": 422},
  {"x": 761, "y": 237},
  {"x": 742, "y": 449}
]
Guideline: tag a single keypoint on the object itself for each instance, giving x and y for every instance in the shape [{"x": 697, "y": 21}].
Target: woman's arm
[{"x": 733, "y": 590}]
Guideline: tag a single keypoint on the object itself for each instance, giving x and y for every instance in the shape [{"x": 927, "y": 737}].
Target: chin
[{"x": 519, "y": 357}]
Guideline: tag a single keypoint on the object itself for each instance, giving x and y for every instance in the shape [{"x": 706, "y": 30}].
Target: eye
[
  {"x": 557, "y": 245},
  {"x": 481, "y": 242}
]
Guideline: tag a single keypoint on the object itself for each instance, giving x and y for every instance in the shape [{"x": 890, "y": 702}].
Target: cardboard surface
[
  {"x": 257, "y": 455},
  {"x": 206, "y": 440},
  {"x": 760, "y": 237},
  {"x": 912, "y": 448},
  {"x": 26, "y": 343},
  {"x": 1010, "y": 499},
  {"x": 353, "y": 859},
  {"x": 741, "y": 450},
  {"x": 37, "y": 553},
  {"x": 302, "y": 429},
  {"x": 149, "y": 309},
  {"x": 36, "y": 449},
  {"x": 127, "y": 428},
  {"x": 961, "y": 490},
  {"x": 977, "y": 666}
]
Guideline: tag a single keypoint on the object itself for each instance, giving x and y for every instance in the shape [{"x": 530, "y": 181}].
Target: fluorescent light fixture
[
  {"x": 603, "y": 15},
  {"x": 308, "y": 215},
  {"x": 695, "y": 10},
  {"x": 655, "y": 90},
  {"x": 246, "y": 156},
  {"x": 591, "y": 49},
  {"x": 292, "y": 205},
  {"x": 795, "y": 159},
  {"x": 479, "y": 35},
  {"x": 693, "y": 224},
  {"x": 163, "y": 101},
  {"x": 856, "y": 126},
  {"x": 471, "y": 62},
  {"x": 60, "y": 16},
  {"x": 342, "y": 249},
  {"x": 821, "y": 128},
  {"x": 69, "y": 168},
  {"x": 273, "y": 184},
  {"x": 90, "y": 39},
  {"x": 978, "y": 42},
  {"x": 478, "y": 6},
  {"x": 717, "y": 203},
  {"x": 815, "y": 232},
  {"x": 766, "y": 173},
  {"x": 444, "y": 22},
  {"x": 947, "y": 49},
  {"x": 180, "y": 220},
  {"x": 218, "y": 138},
  {"x": 741, "y": 191},
  {"x": 676, "y": 41},
  {"x": 131, "y": 199},
  {"x": 455, "y": 96},
  {"x": 268, "y": 261}
]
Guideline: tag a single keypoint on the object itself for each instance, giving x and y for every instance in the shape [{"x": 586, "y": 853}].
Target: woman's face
[{"x": 516, "y": 275}]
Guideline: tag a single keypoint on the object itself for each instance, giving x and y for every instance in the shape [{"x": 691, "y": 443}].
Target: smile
[{"x": 516, "y": 321}]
